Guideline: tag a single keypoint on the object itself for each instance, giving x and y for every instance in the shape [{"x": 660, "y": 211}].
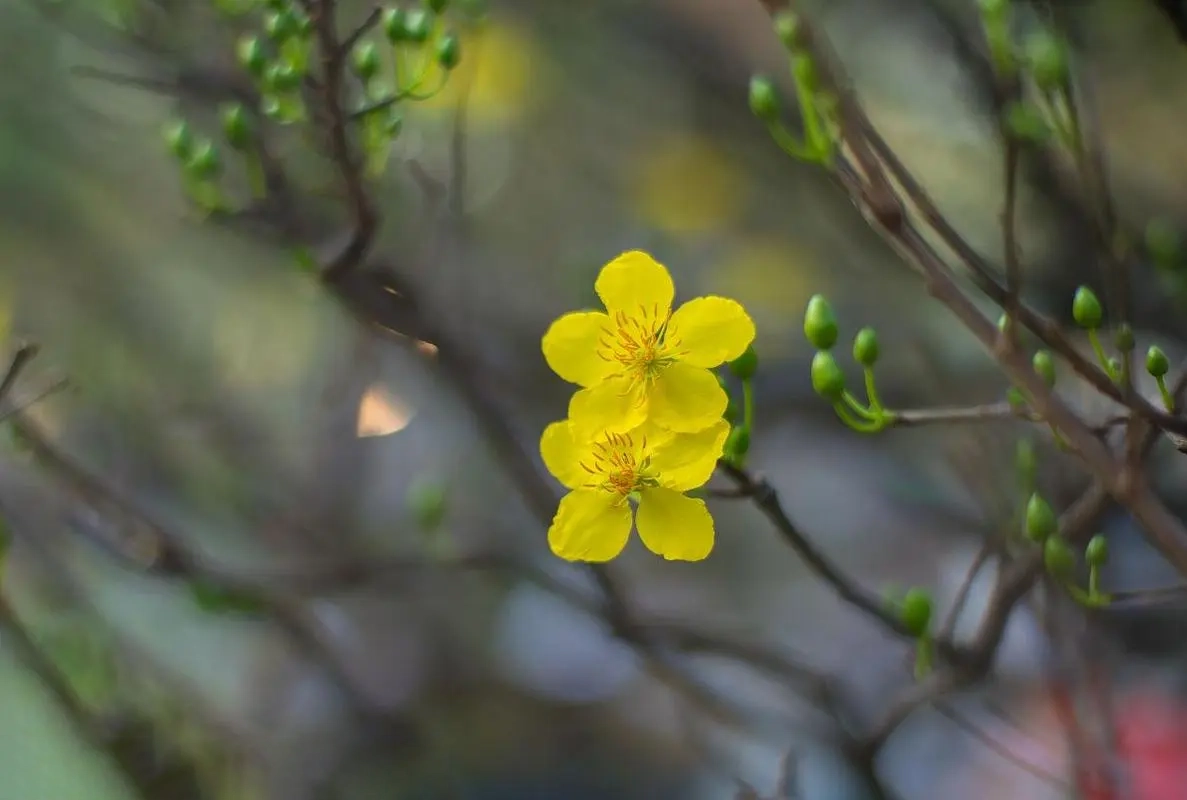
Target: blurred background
[{"x": 222, "y": 404}]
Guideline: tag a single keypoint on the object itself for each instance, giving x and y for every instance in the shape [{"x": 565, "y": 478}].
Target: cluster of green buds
[
  {"x": 278, "y": 60},
  {"x": 915, "y": 610},
  {"x": 413, "y": 46},
  {"x": 817, "y": 107},
  {"x": 1043, "y": 57},
  {"x": 200, "y": 162},
  {"x": 741, "y": 420},
  {"x": 828, "y": 379},
  {"x": 1041, "y": 526}
]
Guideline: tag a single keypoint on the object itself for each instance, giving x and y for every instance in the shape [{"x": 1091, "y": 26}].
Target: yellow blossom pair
[{"x": 647, "y": 423}]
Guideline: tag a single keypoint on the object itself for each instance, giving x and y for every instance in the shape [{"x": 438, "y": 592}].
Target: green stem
[
  {"x": 747, "y": 406},
  {"x": 815, "y": 139},
  {"x": 1093, "y": 581},
  {"x": 787, "y": 143},
  {"x": 1099, "y": 349},
  {"x": 872, "y": 391},
  {"x": 858, "y": 407},
  {"x": 923, "y": 657},
  {"x": 1167, "y": 399},
  {"x": 861, "y": 426}
]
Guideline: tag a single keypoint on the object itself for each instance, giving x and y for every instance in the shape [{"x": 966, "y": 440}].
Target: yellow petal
[
  {"x": 562, "y": 454},
  {"x": 687, "y": 460},
  {"x": 634, "y": 283},
  {"x": 571, "y": 347},
  {"x": 590, "y": 525},
  {"x": 674, "y": 526},
  {"x": 616, "y": 405},
  {"x": 709, "y": 331},
  {"x": 686, "y": 399}
]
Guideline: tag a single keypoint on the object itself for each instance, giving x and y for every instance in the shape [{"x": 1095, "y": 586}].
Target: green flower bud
[
  {"x": 281, "y": 26},
  {"x": 1058, "y": 557},
  {"x": 1097, "y": 551},
  {"x": 1016, "y": 398},
  {"x": 1123, "y": 337},
  {"x": 1114, "y": 365},
  {"x": 252, "y": 56},
  {"x": 764, "y": 103},
  {"x": 205, "y": 162},
  {"x": 737, "y": 444},
  {"x": 365, "y": 61},
  {"x": 1164, "y": 242},
  {"x": 1047, "y": 57},
  {"x": 417, "y": 26},
  {"x": 828, "y": 380},
  {"x": 428, "y": 502},
  {"x": 1086, "y": 310},
  {"x": 436, "y": 6},
  {"x": 745, "y": 365},
  {"x": 1026, "y": 123},
  {"x": 787, "y": 28},
  {"x": 283, "y": 77},
  {"x": 865, "y": 347},
  {"x": 916, "y": 611},
  {"x": 393, "y": 22},
  {"x": 820, "y": 324},
  {"x": 449, "y": 51},
  {"x": 236, "y": 127},
  {"x": 1041, "y": 521},
  {"x": 1026, "y": 461},
  {"x": 1002, "y": 321},
  {"x": 1044, "y": 365},
  {"x": 304, "y": 25},
  {"x": 179, "y": 139},
  {"x": 1157, "y": 363}
]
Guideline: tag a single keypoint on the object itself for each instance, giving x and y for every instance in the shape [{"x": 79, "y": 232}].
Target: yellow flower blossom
[
  {"x": 641, "y": 361},
  {"x": 654, "y": 467}
]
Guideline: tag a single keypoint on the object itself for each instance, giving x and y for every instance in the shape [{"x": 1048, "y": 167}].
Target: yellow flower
[
  {"x": 641, "y": 361},
  {"x": 652, "y": 466}
]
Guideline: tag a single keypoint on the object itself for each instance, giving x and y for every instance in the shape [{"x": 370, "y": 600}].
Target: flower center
[
  {"x": 616, "y": 467},
  {"x": 640, "y": 342}
]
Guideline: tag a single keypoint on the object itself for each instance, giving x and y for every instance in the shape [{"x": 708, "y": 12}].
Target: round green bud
[
  {"x": 764, "y": 102},
  {"x": 1044, "y": 365},
  {"x": 787, "y": 28},
  {"x": 179, "y": 139},
  {"x": 1157, "y": 364},
  {"x": 1058, "y": 557},
  {"x": 1002, "y": 322},
  {"x": 1026, "y": 460},
  {"x": 803, "y": 69},
  {"x": 745, "y": 365},
  {"x": 428, "y": 502},
  {"x": 418, "y": 23},
  {"x": 436, "y": 6},
  {"x": 1114, "y": 365},
  {"x": 236, "y": 127},
  {"x": 865, "y": 347},
  {"x": 1026, "y": 123},
  {"x": 205, "y": 162},
  {"x": 1041, "y": 521},
  {"x": 252, "y": 56},
  {"x": 1016, "y": 398},
  {"x": 916, "y": 610},
  {"x": 271, "y": 107},
  {"x": 1097, "y": 551},
  {"x": 1047, "y": 57},
  {"x": 449, "y": 51},
  {"x": 828, "y": 380},
  {"x": 737, "y": 444},
  {"x": 281, "y": 25},
  {"x": 1164, "y": 242},
  {"x": 393, "y": 21},
  {"x": 282, "y": 77},
  {"x": 820, "y": 324},
  {"x": 365, "y": 61},
  {"x": 1123, "y": 337},
  {"x": 1086, "y": 310}
]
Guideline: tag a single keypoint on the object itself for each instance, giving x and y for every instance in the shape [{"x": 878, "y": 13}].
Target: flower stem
[
  {"x": 1168, "y": 399},
  {"x": 747, "y": 406}
]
